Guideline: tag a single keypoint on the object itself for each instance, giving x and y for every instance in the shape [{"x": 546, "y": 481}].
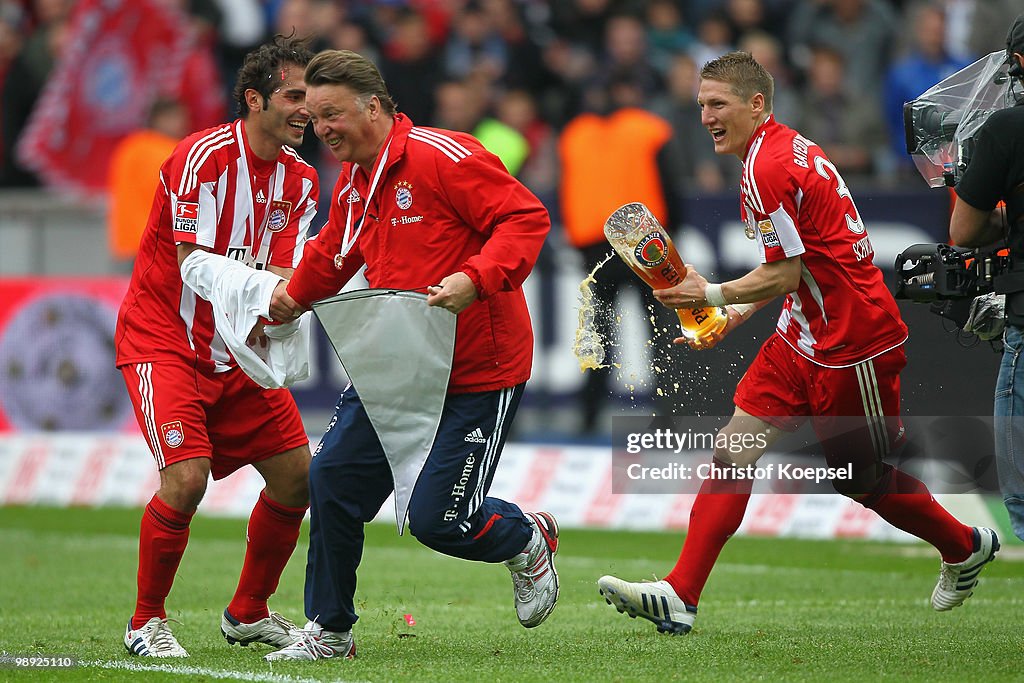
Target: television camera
[
  {"x": 948, "y": 277},
  {"x": 940, "y": 125}
]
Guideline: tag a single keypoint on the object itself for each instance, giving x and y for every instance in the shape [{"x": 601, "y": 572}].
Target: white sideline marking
[{"x": 186, "y": 670}]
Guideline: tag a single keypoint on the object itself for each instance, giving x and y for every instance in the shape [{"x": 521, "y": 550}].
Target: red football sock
[
  {"x": 162, "y": 539},
  {"x": 906, "y": 503},
  {"x": 271, "y": 537},
  {"x": 715, "y": 516}
]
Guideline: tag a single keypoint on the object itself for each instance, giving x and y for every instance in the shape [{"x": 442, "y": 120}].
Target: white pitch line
[{"x": 186, "y": 670}]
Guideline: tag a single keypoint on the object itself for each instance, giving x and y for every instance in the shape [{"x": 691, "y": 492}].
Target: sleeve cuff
[{"x": 474, "y": 275}]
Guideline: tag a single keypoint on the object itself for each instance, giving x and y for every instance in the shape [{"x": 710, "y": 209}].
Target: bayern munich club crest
[
  {"x": 173, "y": 433},
  {"x": 651, "y": 250},
  {"x": 280, "y": 212},
  {"x": 403, "y": 194}
]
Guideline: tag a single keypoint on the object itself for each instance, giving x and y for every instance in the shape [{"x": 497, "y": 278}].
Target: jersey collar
[{"x": 766, "y": 125}]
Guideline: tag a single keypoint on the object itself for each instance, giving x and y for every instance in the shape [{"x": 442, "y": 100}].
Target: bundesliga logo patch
[
  {"x": 651, "y": 250},
  {"x": 186, "y": 217},
  {"x": 173, "y": 433},
  {"x": 768, "y": 234},
  {"x": 280, "y": 212}
]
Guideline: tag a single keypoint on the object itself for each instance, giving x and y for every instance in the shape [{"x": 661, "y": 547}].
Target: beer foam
[{"x": 589, "y": 347}]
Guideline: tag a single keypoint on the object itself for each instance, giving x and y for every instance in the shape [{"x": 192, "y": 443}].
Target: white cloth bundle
[{"x": 240, "y": 295}]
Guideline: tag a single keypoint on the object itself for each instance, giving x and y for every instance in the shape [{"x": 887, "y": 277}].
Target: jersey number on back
[{"x": 853, "y": 221}]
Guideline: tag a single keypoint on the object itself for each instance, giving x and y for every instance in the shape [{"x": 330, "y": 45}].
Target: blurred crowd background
[
  {"x": 518, "y": 72},
  {"x": 588, "y": 102}
]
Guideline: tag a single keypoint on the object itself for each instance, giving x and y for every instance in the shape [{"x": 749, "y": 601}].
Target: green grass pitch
[{"x": 774, "y": 609}]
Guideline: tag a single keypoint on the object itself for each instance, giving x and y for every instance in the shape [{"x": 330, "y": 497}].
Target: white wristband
[
  {"x": 745, "y": 310},
  {"x": 713, "y": 294}
]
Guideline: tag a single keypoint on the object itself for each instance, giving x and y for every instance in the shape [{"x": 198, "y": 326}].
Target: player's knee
[
  {"x": 183, "y": 485},
  {"x": 866, "y": 485},
  {"x": 290, "y": 487},
  {"x": 432, "y": 532}
]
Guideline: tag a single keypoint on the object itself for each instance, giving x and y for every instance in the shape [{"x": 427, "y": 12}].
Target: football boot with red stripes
[{"x": 533, "y": 572}]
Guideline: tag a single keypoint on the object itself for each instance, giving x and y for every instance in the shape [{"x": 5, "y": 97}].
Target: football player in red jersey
[
  {"x": 237, "y": 191},
  {"x": 834, "y": 359}
]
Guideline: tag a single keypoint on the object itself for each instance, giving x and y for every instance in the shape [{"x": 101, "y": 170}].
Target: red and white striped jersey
[
  {"x": 216, "y": 193},
  {"x": 795, "y": 203}
]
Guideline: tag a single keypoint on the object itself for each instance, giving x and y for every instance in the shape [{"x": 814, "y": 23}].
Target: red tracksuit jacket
[{"x": 442, "y": 204}]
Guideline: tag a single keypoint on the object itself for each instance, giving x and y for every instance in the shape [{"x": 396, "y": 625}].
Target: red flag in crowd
[{"x": 120, "y": 56}]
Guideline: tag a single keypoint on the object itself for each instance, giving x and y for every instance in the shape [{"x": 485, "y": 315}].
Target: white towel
[{"x": 240, "y": 295}]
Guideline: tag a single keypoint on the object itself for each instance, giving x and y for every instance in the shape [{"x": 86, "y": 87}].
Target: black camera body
[
  {"x": 928, "y": 127},
  {"x": 948, "y": 277}
]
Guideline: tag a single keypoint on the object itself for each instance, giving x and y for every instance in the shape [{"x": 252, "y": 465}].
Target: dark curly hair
[{"x": 261, "y": 70}]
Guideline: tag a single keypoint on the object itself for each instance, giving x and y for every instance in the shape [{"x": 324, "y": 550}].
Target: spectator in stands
[
  {"x": 847, "y": 126},
  {"x": 862, "y": 31},
  {"x": 582, "y": 22},
  {"x": 200, "y": 85},
  {"x": 697, "y": 168},
  {"x": 625, "y": 55},
  {"x": 539, "y": 171},
  {"x": 767, "y": 51},
  {"x": 667, "y": 33},
  {"x": 134, "y": 174},
  {"x": 745, "y": 17},
  {"x": 714, "y": 38},
  {"x": 13, "y": 23},
  {"x": 411, "y": 65},
  {"x": 462, "y": 106},
  {"x": 927, "y": 62},
  {"x": 32, "y": 67},
  {"x": 973, "y": 26},
  {"x": 571, "y": 67},
  {"x": 474, "y": 47}
]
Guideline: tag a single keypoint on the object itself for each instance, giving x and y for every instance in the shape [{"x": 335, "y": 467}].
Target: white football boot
[
  {"x": 152, "y": 639},
  {"x": 313, "y": 642},
  {"x": 273, "y": 630},
  {"x": 533, "y": 572},
  {"x": 957, "y": 581},
  {"x": 654, "y": 601}
]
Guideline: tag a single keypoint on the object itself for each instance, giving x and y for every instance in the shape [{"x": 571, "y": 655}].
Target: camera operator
[{"x": 996, "y": 172}]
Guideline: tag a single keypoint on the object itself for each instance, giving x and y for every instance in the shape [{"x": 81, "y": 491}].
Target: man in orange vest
[
  {"x": 607, "y": 161},
  {"x": 134, "y": 174}
]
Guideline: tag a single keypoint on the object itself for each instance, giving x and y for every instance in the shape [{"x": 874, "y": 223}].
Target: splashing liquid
[{"x": 589, "y": 346}]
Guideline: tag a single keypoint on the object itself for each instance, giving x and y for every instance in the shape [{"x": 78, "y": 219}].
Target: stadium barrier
[{"x": 572, "y": 482}]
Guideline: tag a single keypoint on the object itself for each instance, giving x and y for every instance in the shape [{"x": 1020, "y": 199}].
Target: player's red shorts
[
  {"x": 225, "y": 417},
  {"x": 855, "y": 410}
]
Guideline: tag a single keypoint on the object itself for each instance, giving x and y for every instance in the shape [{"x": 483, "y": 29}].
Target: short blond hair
[{"x": 745, "y": 76}]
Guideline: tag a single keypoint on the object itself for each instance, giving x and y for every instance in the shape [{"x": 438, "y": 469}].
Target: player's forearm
[
  {"x": 764, "y": 283},
  {"x": 972, "y": 227}
]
